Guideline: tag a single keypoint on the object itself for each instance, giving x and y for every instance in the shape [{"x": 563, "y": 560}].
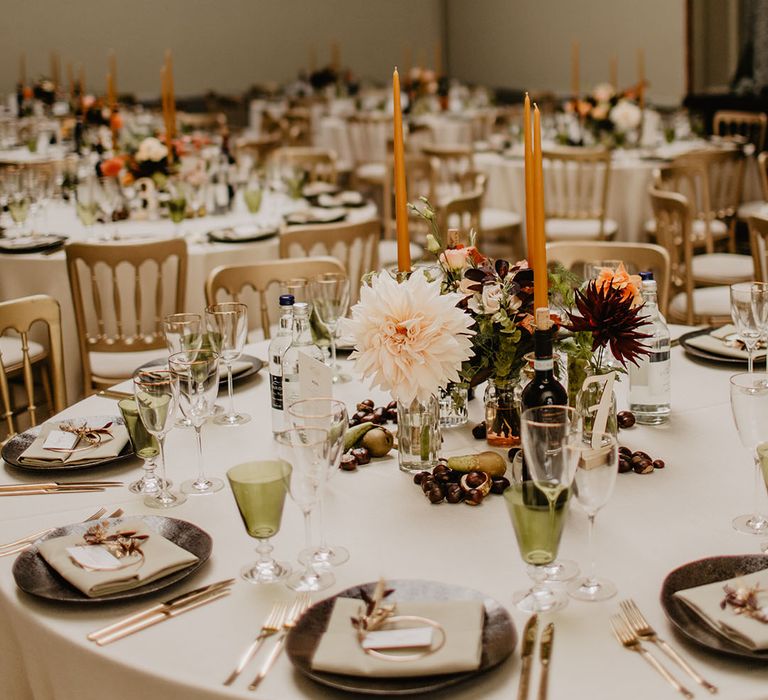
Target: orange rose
[
  {"x": 620, "y": 279},
  {"x": 112, "y": 166}
]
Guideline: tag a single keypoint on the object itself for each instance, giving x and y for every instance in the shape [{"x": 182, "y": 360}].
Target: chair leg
[{"x": 45, "y": 380}]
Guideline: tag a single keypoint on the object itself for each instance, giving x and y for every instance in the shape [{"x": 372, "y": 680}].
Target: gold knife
[
  {"x": 545, "y": 654},
  {"x": 179, "y": 600},
  {"x": 41, "y": 485},
  {"x": 526, "y": 655},
  {"x": 114, "y": 394}
]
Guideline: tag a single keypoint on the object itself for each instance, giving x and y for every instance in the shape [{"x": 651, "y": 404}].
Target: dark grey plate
[
  {"x": 698, "y": 573},
  {"x": 499, "y": 639},
  {"x": 35, "y": 577},
  {"x": 301, "y": 220},
  {"x": 226, "y": 236},
  {"x": 18, "y": 443},
  {"x": 256, "y": 365},
  {"x": 43, "y": 243},
  {"x": 708, "y": 356}
]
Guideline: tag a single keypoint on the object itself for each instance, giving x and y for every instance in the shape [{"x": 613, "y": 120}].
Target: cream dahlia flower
[{"x": 409, "y": 339}]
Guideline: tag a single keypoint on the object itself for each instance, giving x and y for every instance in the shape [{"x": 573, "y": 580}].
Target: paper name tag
[
  {"x": 93, "y": 557},
  {"x": 59, "y": 440},
  {"x": 408, "y": 638},
  {"x": 315, "y": 378}
]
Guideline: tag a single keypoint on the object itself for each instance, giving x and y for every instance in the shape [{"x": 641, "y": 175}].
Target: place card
[
  {"x": 315, "y": 378},
  {"x": 94, "y": 557},
  {"x": 60, "y": 440},
  {"x": 407, "y": 638}
]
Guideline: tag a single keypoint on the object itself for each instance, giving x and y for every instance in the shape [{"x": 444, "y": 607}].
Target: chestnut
[
  {"x": 479, "y": 431},
  {"x": 348, "y": 463},
  {"x": 365, "y": 405},
  {"x": 379, "y": 416},
  {"x": 512, "y": 452},
  {"x": 473, "y": 497},
  {"x": 436, "y": 494},
  {"x": 659, "y": 464},
  {"x": 361, "y": 455},
  {"x": 454, "y": 494},
  {"x": 418, "y": 478},
  {"x": 625, "y": 419},
  {"x": 499, "y": 484},
  {"x": 624, "y": 465}
]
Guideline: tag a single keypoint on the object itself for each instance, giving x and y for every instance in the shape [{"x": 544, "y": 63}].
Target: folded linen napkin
[
  {"x": 743, "y": 630},
  {"x": 462, "y": 620},
  {"x": 161, "y": 558},
  {"x": 238, "y": 367},
  {"x": 714, "y": 343},
  {"x": 108, "y": 448}
]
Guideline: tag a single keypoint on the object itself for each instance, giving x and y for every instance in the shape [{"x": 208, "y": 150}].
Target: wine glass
[
  {"x": 183, "y": 332},
  {"x": 196, "y": 384},
  {"x": 749, "y": 311},
  {"x": 329, "y": 415},
  {"x": 253, "y": 193},
  {"x": 330, "y": 296},
  {"x": 87, "y": 204},
  {"x": 227, "y": 325},
  {"x": 18, "y": 200},
  {"x": 306, "y": 450},
  {"x": 749, "y": 405},
  {"x": 144, "y": 445},
  {"x": 538, "y": 498},
  {"x": 595, "y": 463},
  {"x": 109, "y": 199},
  {"x": 177, "y": 207},
  {"x": 156, "y": 401},
  {"x": 259, "y": 489}
]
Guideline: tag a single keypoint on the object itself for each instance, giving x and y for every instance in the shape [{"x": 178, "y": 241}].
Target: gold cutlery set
[
  {"x": 280, "y": 620},
  {"x": 47, "y": 487},
  {"x": 527, "y": 653},
  {"x": 631, "y": 629}
]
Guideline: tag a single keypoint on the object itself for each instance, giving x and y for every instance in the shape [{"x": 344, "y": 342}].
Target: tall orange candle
[
  {"x": 55, "y": 70},
  {"x": 530, "y": 216},
  {"x": 641, "y": 78},
  {"x": 110, "y": 91},
  {"x": 71, "y": 80},
  {"x": 23, "y": 69},
  {"x": 615, "y": 72},
  {"x": 401, "y": 196},
  {"x": 575, "y": 89},
  {"x": 170, "y": 92},
  {"x": 112, "y": 60},
  {"x": 540, "y": 289},
  {"x": 438, "y": 58}
]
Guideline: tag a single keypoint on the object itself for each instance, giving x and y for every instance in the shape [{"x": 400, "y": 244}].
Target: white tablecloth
[
  {"x": 21, "y": 275},
  {"x": 652, "y": 525}
]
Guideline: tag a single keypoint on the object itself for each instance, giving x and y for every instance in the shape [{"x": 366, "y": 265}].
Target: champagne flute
[
  {"x": 144, "y": 445},
  {"x": 330, "y": 415},
  {"x": 18, "y": 200},
  {"x": 749, "y": 311},
  {"x": 596, "y": 463},
  {"x": 330, "y": 295},
  {"x": 306, "y": 450},
  {"x": 259, "y": 489},
  {"x": 177, "y": 207},
  {"x": 156, "y": 401},
  {"x": 253, "y": 194},
  {"x": 538, "y": 498},
  {"x": 195, "y": 385},
  {"x": 749, "y": 405},
  {"x": 227, "y": 325},
  {"x": 87, "y": 204},
  {"x": 109, "y": 198}
]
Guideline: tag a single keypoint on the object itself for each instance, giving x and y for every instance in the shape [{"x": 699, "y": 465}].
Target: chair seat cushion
[
  {"x": 388, "y": 253},
  {"x": 372, "y": 172},
  {"x": 10, "y": 349},
  {"x": 698, "y": 228},
  {"x": 722, "y": 268},
  {"x": 579, "y": 229},
  {"x": 747, "y": 209},
  {"x": 707, "y": 301},
  {"x": 121, "y": 365},
  {"x": 494, "y": 219}
]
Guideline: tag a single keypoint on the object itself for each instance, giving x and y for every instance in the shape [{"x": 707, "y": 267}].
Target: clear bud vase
[
  {"x": 453, "y": 405},
  {"x": 502, "y": 414},
  {"x": 418, "y": 434},
  {"x": 596, "y": 404}
]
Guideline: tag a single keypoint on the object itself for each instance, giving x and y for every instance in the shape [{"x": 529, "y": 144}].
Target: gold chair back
[
  {"x": 257, "y": 149},
  {"x": 447, "y": 165},
  {"x": 121, "y": 294},
  {"x": 206, "y": 121},
  {"x": 356, "y": 246},
  {"x": 747, "y": 125},
  {"x": 762, "y": 169},
  {"x": 318, "y": 163},
  {"x": 462, "y": 211},
  {"x": 758, "y": 241},
  {"x": 232, "y": 282},
  {"x": 419, "y": 184},
  {"x": 635, "y": 256},
  {"x": 18, "y": 315}
]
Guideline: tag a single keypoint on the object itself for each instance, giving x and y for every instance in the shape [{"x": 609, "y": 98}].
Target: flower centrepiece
[{"x": 410, "y": 339}]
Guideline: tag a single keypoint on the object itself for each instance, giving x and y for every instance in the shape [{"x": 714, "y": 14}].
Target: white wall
[
  {"x": 226, "y": 45},
  {"x": 527, "y": 43}
]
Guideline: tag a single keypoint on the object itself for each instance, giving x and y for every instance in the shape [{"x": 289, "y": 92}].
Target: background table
[{"x": 652, "y": 525}]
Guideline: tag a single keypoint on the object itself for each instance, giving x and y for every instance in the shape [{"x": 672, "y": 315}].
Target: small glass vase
[
  {"x": 418, "y": 434},
  {"x": 502, "y": 414},
  {"x": 596, "y": 406},
  {"x": 453, "y": 405}
]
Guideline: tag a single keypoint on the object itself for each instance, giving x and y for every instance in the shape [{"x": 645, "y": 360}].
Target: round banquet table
[
  {"x": 651, "y": 525},
  {"x": 38, "y": 273}
]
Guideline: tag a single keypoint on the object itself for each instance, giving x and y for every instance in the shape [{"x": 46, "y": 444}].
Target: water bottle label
[{"x": 276, "y": 391}]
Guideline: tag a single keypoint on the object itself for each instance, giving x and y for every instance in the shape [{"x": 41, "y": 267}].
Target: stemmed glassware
[
  {"x": 196, "y": 384},
  {"x": 144, "y": 445},
  {"x": 306, "y": 450},
  {"x": 183, "y": 332},
  {"x": 259, "y": 489},
  {"x": 749, "y": 311},
  {"x": 749, "y": 405},
  {"x": 330, "y": 296},
  {"x": 177, "y": 207},
  {"x": 595, "y": 463},
  {"x": 329, "y": 415},
  {"x": 253, "y": 193},
  {"x": 86, "y": 203},
  {"x": 538, "y": 498},
  {"x": 227, "y": 325},
  {"x": 109, "y": 198},
  {"x": 156, "y": 400},
  {"x": 18, "y": 200}
]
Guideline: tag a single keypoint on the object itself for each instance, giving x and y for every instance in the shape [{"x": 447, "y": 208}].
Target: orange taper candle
[
  {"x": 401, "y": 195},
  {"x": 530, "y": 215},
  {"x": 641, "y": 77},
  {"x": 575, "y": 70},
  {"x": 539, "y": 250}
]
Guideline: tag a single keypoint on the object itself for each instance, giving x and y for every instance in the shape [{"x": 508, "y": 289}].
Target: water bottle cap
[
  {"x": 646, "y": 275},
  {"x": 286, "y": 300},
  {"x": 301, "y": 307}
]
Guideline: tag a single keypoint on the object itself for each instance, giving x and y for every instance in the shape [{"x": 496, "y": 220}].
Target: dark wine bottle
[{"x": 543, "y": 389}]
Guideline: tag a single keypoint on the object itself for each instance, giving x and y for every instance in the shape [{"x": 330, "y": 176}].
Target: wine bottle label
[
  {"x": 276, "y": 391},
  {"x": 544, "y": 364}
]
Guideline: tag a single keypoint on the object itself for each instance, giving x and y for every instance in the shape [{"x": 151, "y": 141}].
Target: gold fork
[
  {"x": 271, "y": 626},
  {"x": 643, "y": 630},
  {"x": 629, "y": 641}
]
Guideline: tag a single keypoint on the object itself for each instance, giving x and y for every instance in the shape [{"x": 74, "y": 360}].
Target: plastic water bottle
[
  {"x": 277, "y": 347},
  {"x": 302, "y": 342},
  {"x": 649, "y": 381}
]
